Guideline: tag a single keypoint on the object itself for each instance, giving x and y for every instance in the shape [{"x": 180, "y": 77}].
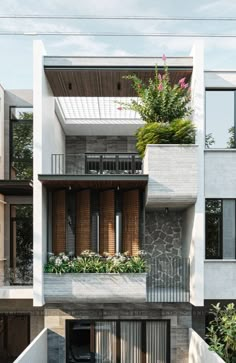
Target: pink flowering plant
[{"x": 161, "y": 103}]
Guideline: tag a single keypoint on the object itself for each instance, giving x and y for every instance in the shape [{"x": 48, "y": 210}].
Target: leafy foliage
[
  {"x": 159, "y": 100},
  {"x": 222, "y": 332},
  {"x": 90, "y": 262},
  {"x": 177, "y": 132},
  {"x": 231, "y": 141}
]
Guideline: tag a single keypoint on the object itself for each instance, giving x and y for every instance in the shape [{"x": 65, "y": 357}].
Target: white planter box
[
  {"x": 172, "y": 171},
  {"x": 95, "y": 287}
]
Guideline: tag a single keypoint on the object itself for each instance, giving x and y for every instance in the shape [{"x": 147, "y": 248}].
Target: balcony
[
  {"x": 16, "y": 280},
  {"x": 96, "y": 164},
  {"x": 167, "y": 280}
]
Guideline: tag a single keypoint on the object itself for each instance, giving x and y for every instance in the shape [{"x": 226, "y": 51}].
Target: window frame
[
  {"x": 220, "y": 256},
  {"x": 219, "y": 89},
  {"x": 118, "y": 330},
  {"x": 13, "y": 121}
]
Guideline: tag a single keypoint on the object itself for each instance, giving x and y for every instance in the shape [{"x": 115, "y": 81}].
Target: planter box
[
  {"x": 95, "y": 288},
  {"x": 172, "y": 171}
]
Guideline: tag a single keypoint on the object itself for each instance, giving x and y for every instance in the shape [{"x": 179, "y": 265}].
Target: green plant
[
  {"x": 222, "y": 332},
  {"x": 90, "y": 262},
  {"x": 177, "y": 132},
  {"x": 160, "y": 100}
]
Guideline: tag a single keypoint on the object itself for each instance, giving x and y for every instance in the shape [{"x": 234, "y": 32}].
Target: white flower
[
  {"x": 51, "y": 258},
  {"x": 58, "y": 261},
  {"x": 65, "y": 258},
  {"x": 61, "y": 254}
]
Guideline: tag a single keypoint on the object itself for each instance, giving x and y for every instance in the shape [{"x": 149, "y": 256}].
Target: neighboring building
[{"x": 88, "y": 189}]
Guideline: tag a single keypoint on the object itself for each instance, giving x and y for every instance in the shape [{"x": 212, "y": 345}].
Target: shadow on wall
[{"x": 56, "y": 347}]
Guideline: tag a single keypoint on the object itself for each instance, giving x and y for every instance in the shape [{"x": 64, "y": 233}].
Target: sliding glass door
[{"x": 118, "y": 341}]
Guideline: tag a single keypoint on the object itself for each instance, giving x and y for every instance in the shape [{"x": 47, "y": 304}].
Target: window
[
  {"x": 118, "y": 341},
  {"x": 21, "y": 256},
  {"x": 220, "y": 119},
  {"x": 21, "y": 143},
  {"x": 220, "y": 228}
]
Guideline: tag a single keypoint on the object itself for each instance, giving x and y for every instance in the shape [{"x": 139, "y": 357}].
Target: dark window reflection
[
  {"x": 214, "y": 228},
  {"x": 220, "y": 119},
  {"x": 21, "y": 261},
  {"x": 21, "y": 143}
]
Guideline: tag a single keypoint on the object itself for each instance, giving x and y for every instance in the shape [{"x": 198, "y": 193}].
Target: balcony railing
[
  {"x": 168, "y": 279},
  {"x": 96, "y": 163}
]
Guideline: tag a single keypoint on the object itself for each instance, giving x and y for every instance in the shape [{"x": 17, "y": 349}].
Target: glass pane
[
  {"x": 105, "y": 333},
  {"x": 21, "y": 113},
  {"x": 156, "y": 342},
  {"x": 214, "y": 229},
  {"x": 21, "y": 272},
  {"x": 22, "y": 150},
  {"x": 130, "y": 340},
  {"x": 220, "y": 119}
]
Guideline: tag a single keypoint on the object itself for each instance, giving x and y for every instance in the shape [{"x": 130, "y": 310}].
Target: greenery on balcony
[
  {"x": 164, "y": 107},
  {"x": 91, "y": 262}
]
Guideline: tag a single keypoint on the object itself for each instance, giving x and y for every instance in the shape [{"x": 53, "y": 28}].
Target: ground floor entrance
[{"x": 117, "y": 341}]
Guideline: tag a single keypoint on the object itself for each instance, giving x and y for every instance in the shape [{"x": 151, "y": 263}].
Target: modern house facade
[{"x": 72, "y": 180}]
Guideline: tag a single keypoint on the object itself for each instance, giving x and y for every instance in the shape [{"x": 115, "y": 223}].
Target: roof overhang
[
  {"x": 104, "y": 76},
  {"x": 76, "y": 182},
  {"x": 15, "y": 187}
]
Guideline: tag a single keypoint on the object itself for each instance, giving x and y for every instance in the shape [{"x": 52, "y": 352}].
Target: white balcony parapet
[
  {"x": 37, "y": 350},
  {"x": 95, "y": 287},
  {"x": 172, "y": 171},
  {"x": 219, "y": 279},
  {"x": 199, "y": 350}
]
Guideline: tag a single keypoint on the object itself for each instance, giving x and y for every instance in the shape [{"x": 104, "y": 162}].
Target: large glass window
[
  {"x": 220, "y": 119},
  {"x": 214, "y": 228},
  {"x": 117, "y": 341},
  {"x": 21, "y": 143},
  {"x": 21, "y": 255}
]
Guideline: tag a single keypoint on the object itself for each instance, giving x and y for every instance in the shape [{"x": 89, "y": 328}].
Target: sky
[{"x": 16, "y": 62}]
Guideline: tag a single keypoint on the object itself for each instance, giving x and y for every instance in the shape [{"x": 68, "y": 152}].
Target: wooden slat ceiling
[
  {"x": 100, "y": 82},
  {"x": 93, "y": 184}
]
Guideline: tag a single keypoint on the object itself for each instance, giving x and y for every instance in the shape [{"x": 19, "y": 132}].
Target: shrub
[
  {"x": 222, "y": 332},
  {"x": 90, "y": 262},
  {"x": 177, "y": 132}
]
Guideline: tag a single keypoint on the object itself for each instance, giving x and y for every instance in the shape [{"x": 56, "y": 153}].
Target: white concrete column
[{"x": 197, "y": 248}]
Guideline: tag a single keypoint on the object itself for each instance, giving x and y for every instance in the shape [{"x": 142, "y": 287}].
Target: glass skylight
[{"x": 95, "y": 108}]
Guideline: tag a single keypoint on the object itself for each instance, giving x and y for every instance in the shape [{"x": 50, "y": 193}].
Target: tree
[{"x": 222, "y": 332}]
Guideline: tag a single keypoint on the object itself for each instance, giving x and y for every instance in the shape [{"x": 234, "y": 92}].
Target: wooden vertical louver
[
  {"x": 59, "y": 221},
  {"x": 107, "y": 222},
  {"x": 130, "y": 223},
  {"x": 83, "y": 225}
]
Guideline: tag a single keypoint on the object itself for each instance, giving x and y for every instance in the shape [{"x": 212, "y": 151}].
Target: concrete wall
[
  {"x": 220, "y": 173},
  {"x": 220, "y": 79},
  {"x": 197, "y": 246},
  {"x": 37, "y": 351},
  {"x": 49, "y": 138},
  {"x": 172, "y": 171},
  {"x": 178, "y": 314},
  {"x": 199, "y": 352},
  {"x": 219, "y": 279},
  {"x": 1, "y": 132}
]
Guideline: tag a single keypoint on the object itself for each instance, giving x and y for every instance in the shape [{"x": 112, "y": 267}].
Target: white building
[{"x": 92, "y": 191}]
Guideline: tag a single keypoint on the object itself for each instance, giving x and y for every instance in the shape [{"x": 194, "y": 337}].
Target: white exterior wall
[
  {"x": 197, "y": 245},
  {"x": 49, "y": 138},
  {"x": 220, "y": 79},
  {"x": 199, "y": 351},
  {"x": 220, "y": 173},
  {"x": 219, "y": 281},
  {"x": 1, "y": 177},
  {"x": 37, "y": 350}
]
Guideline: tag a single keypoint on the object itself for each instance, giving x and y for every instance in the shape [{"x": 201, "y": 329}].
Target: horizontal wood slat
[
  {"x": 59, "y": 221},
  {"x": 83, "y": 225},
  {"x": 130, "y": 232},
  {"x": 107, "y": 222}
]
